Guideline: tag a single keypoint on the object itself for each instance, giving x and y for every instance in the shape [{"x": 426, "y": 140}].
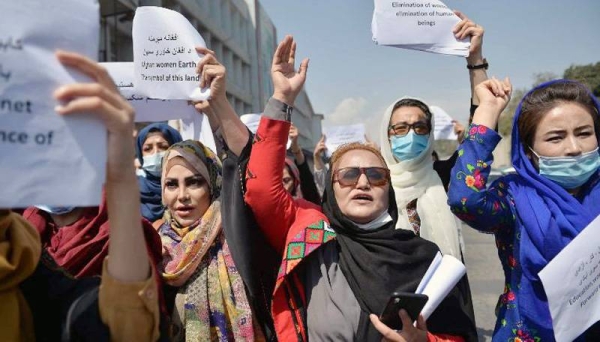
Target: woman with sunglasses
[{"x": 339, "y": 265}]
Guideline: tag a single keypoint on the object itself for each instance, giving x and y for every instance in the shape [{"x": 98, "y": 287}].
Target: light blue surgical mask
[
  {"x": 409, "y": 146},
  {"x": 569, "y": 172},
  {"x": 55, "y": 210},
  {"x": 153, "y": 163}
]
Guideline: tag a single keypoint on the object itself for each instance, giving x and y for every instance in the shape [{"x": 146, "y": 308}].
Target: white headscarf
[{"x": 417, "y": 179}]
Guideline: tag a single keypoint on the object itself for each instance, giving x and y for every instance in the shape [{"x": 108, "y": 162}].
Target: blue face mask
[
  {"x": 409, "y": 146},
  {"x": 569, "y": 172},
  {"x": 55, "y": 210},
  {"x": 153, "y": 163}
]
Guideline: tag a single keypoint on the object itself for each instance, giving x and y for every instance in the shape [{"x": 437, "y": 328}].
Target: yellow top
[
  {"x": 130, "y": 310},
  {"x": 20, "y": 250}
]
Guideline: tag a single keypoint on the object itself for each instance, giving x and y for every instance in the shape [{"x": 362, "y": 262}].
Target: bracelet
[
  {"x": 483, "y": 65},
  {"x": 297, "y": 151}
]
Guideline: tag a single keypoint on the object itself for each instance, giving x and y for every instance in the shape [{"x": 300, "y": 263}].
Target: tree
[{"x": 586, "y": 74}]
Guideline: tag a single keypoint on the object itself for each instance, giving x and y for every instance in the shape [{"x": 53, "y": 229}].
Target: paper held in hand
[
  {"x": 146, "y": 109},
  {"x": 572, "y": 282},
  {"x": 424, "y": 25},
  {"x": 443, "y": 128},
  {"x": 339, "y": 135},
  {"x": 441, "y": 277},
  {"x": 46, "y": 158},
  {"x": 165, "y": 57}
]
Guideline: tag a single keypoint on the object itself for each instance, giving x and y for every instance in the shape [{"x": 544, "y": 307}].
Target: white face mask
[
  {"x": 384, "y": 218},
  {"x": 152, "y": 164}
]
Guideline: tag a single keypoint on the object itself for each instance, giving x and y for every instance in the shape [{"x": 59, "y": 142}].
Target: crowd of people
[{"x": 247, "y": 243}]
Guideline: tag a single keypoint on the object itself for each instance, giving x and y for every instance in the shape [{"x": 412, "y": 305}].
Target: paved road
[{"x": 485, "y": 278}]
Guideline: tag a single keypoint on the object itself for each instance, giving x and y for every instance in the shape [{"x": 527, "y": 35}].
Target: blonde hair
[{"x": 337, "y": 155}]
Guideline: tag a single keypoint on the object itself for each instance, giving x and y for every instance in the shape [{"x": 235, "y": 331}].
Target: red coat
[{"x": 295, "y": 228}]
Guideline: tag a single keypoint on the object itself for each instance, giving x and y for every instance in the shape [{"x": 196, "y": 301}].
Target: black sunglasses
[{"x": 348, "y": 176}]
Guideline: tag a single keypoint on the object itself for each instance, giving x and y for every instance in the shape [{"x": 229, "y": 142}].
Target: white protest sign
[
  {"x": 252, "y": 121},
  {"x": 198, "y": 128},
  {"x": 146, "y": 109},
  {"x": 572, "y": 281},
  {"x": 443, "y": 124},
  {"x": 164, "y": 55},
  {"x": 46, "y": 158},
  {"x": 339, "y": 135},
  {"x": 424, "y": 25}
]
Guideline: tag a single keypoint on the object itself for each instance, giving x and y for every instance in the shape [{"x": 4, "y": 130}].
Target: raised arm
[
  {"x": 272, "y": 206},
  {"x": 128, "y": 256},
  {"x": 214, "y": 75},
  {"x": 475, "y": 61},
  {"x": 128, "y": 299},
  {"x": 485, "y": 209}
]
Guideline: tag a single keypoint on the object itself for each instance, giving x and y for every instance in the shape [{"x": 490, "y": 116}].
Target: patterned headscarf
[{"x": 197, "y": 258}]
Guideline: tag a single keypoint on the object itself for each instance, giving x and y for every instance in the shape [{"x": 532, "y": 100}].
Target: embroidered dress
[{"x": 493, "y": 210}]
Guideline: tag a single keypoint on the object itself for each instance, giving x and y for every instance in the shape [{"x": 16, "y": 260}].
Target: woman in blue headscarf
[
  {"x": 151, "y": 144},
  {"x": 536, "y": 212}
]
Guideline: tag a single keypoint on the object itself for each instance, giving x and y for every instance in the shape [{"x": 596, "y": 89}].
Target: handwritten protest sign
[
  {"x": 424, "y": 25},
  {"x": 164, "y": 55},
  {"x": 46, "y": 158},
  {"x": 339, "y": 135},
  {"x": 443, "y": 124},
  {"x": 252, "y": 120},
  {"x": 572, "y": 282},
  {"x": 146, "y": 109}
]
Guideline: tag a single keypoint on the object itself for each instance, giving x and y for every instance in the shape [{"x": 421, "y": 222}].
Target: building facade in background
[{"x": 243, "y": 37}]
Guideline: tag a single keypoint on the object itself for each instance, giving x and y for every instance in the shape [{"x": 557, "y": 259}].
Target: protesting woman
[
  {"x": 62, "y": 300},
  {"x": 342, "y": 264},
  {"x": 205, "y": 294},
  {"x": 407, "y": 144},
  {"x": 535, "y": 213},
  {"x": 151, "y": 143}
]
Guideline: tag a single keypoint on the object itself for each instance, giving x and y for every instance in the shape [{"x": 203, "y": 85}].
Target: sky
[{"x": 352, "y": 80}]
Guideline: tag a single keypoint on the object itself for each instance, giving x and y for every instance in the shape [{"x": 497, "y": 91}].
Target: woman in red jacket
[{"x": 342, "y": 264}]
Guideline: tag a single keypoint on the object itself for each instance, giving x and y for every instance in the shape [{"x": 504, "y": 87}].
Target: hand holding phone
[{"x": 413, "y": 303}]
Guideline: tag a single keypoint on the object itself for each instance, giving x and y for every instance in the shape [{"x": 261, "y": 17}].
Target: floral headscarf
[{"x": 198, "y": 261}]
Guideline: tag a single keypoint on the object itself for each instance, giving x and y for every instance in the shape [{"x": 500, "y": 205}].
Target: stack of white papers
[
  {"x": 424, "y": 25},
  {"x": 441, "y": 277}
]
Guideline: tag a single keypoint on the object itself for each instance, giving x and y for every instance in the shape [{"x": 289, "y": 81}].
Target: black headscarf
[{"x": 378, "y": 262}]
